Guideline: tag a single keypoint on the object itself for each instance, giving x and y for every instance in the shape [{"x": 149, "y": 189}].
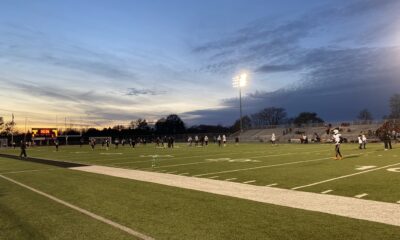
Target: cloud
[
  {"x": 276, "y": 68},
  {"x": 137, "y": 92},
  {"x": 340, "y": 83},
  {"x": 24, "y": 45},
  {"x": 262, "y": 43}
]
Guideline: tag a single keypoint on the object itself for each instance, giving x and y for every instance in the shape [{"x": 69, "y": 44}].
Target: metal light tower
[{"x": 239, "y": 82}]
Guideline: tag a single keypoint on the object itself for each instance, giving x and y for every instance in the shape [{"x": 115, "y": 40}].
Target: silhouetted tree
[
  {"x": 365, "y": 115},
  {"x": 246, "y": 121},
  {"x": 394, "y": 104},
  {"x": 173, "y": 124},
  {"x": 269, "y": 116},
  {"x": 307, "y": 118}
]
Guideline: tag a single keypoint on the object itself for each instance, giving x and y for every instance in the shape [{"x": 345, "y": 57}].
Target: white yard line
[
  {"x": 251, "y": 181},
  {"x": 327, "y": 191},
  {"x": 214, "y": 177},
  {"x": 177, "y": 165},
  {"x": 230, "y": 179},
  {"x": 361, "y": 195},
  {"x": 83, "y": 211},
  {"x": 184, "y": 173},
  {"x": 345, "y": 176},
  {"x": 266, "y": 166},
  {"x": 200, "y": 156},
  {"x": 387, "y": 213},
  {"x": 271, "y": 185}
]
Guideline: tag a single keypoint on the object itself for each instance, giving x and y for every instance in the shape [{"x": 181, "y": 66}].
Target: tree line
[{"x": 174, "y": 125}]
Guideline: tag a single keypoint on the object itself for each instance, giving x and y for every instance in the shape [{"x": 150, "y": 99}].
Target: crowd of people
[{"x": 202, "y": 141}]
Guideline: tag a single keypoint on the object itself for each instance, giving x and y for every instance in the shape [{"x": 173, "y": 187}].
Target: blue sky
[{"x": 106, "y": 62}]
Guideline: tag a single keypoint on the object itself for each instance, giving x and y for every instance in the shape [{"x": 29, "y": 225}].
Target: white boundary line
[
  {"x": 267, "y": 166},
  {"x": 345, "y": 176},
  {"x": 81, "y": 210},
  {"x": 209, "y": 155}
]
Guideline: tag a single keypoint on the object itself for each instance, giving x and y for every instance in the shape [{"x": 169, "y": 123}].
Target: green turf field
[{"x": 171, "y": 213}]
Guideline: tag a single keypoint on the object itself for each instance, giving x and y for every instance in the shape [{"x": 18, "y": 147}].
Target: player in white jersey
[
  {"x": 190, "y": 140},
  {"x": 337, "y": 139},
  {"x": 360, "y": 142},
  {"x": 224, "y": 140},
  {"x": 273, "y": 138},
  {"x": 364, "y": 141},
  {"x": 206, "y": 140}
]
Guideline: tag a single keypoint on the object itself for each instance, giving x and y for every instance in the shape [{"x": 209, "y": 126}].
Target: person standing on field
[
  {"x": 337, "y": 139},
  {"x": 364, "y": 141},
  {"x": 360, "y": 142},
  {"x": 23, "y": 150},
  {"x": 224, "y": 140},
  {"x": 273, "y": 138}
]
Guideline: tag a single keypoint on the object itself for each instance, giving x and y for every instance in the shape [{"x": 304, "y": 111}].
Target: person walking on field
[
  {"x": 337, "y": 139},
  {"x": 23, "y": 150}
]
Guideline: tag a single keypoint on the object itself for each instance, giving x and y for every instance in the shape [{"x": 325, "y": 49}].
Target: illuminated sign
[{"x": 44, "y": 132}]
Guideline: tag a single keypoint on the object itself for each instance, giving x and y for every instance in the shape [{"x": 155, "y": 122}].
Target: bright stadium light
[{"x": 239, "y": 82}]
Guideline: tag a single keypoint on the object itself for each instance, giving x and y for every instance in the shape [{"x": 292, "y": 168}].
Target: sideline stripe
[
  {"x": 214, "y": 177},
  {"x": 268, "y": 166},
  {"x": 90, "y": 214},
  {"x": 345, "y": 176}
]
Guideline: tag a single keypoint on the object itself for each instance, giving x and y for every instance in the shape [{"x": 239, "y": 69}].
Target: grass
[
  {"x": 171, "y": 213},
  {"x": 289, "y": 166},
  {"x": 159, "y": 211}
]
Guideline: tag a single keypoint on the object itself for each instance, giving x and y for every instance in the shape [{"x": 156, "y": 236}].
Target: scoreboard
[{"x": 44, "y": 132}]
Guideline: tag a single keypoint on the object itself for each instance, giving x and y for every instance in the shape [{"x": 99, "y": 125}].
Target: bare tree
[
  {"x": 269, "y": 116},
  {"x": 365, "y": 115},
  {"x": 394, "y": 104}
]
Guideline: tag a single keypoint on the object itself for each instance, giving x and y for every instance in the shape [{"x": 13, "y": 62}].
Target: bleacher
[{"x": 285, "y": 134}]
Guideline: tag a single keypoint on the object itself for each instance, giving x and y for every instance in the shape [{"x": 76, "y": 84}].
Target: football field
[{"x": 35, "y": 198}]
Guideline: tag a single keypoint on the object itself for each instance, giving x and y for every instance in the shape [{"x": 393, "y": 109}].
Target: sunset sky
[{"x": 100, "y": 63}]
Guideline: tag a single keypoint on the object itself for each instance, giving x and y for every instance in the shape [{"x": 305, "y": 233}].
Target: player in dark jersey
[
  {"x": 23, "y": 150},
  {"x": 56, "y": 143}
]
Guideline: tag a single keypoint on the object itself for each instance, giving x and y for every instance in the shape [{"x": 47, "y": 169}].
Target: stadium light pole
[{"x": 239, "y": 82}]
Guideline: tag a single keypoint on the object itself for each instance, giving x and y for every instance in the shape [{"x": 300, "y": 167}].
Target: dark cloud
[
  {"x": 340, "y": 82},
  {"x": 276, "y": 68}
]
